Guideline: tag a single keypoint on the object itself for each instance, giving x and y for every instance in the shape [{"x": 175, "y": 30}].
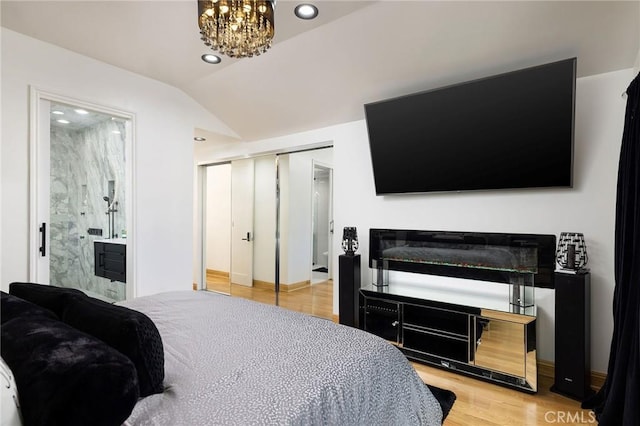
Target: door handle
[
  {"x": 248, "y": 237},
  {"x": 43, "y": 241}
]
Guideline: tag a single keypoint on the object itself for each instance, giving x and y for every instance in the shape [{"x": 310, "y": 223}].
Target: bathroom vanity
[{"x": 111, "y": 259}]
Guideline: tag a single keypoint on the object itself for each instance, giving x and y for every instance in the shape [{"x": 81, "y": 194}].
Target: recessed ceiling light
[
  {"x": 57, "y": 112},
  {"x": 81, "y": 111},
  {"x": 63, "y": 121},
  {"x": 210, "y": 58},
  {"x": 199, "y": 139},
  {"x": 306, "y": 11},
  {"x": 115, "y": 132}
]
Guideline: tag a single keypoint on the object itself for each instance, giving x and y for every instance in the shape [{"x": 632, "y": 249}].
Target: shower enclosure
[{"x": 86, "y": 195}]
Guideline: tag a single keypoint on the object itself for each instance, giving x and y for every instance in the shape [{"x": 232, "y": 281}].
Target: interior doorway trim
[
  {"x": 330, "y": 233},
  {"x": 36, "y": 95}
]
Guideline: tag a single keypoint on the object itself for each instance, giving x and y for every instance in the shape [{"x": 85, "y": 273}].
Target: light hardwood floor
[{"x": 478, "y": 402}]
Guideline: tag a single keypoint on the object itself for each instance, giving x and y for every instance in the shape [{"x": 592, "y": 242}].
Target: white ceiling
[
  {"x": 76, "y": 121},
  {"x": 321, "y": 72}
]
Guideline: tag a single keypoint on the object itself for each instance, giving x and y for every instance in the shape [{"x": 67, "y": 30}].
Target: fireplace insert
[{"x": 496, "y": 257}]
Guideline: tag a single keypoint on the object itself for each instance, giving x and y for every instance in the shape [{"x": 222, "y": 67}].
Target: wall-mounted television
[{"x": 512, "y": 130}]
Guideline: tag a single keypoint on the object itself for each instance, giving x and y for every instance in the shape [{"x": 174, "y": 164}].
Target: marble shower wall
[{"x": 83, "y": 162}]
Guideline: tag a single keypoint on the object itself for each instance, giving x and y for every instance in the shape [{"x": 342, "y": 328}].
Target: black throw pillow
[
  {"x": 48, "y": 296},
  {"x": 66, "y": 377},
  {"x": 13, "y": 307},
  {"x": 131, "y": 332}
]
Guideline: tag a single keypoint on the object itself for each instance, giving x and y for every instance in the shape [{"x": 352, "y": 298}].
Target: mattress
[{"x": 239, "y": 362}]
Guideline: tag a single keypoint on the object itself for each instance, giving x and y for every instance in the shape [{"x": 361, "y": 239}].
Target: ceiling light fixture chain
[{"x": 237, "y": 28}]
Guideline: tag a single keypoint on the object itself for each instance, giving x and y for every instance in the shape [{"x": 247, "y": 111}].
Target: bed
[{"x": 233, "y": 361}]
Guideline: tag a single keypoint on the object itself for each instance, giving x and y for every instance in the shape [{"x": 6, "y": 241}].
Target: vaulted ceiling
[{"x": 321, "y": 72}]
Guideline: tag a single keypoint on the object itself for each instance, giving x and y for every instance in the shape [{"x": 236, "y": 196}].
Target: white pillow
[{"x": 9, "y": 405}]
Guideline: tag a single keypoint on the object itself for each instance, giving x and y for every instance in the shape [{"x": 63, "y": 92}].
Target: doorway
[
  {"x": 81, "y": 193},
  {"x": 322, "y": 223}
]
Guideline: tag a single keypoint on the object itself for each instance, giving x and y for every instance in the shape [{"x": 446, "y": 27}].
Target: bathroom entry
[
  {"x": 322, "y": 223},
  {"x": 81, "y": 193}
]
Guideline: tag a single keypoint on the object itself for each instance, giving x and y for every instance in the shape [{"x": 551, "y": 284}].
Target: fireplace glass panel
[
  {"x": 522, "y": 260},
  {"x": 480, "y": 256}
]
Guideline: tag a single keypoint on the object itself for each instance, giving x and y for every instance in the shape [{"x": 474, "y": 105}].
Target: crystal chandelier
[{"x": 237, "y": 28}]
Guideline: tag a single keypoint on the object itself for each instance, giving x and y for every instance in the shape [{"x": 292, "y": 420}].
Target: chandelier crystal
[{"x": 236, "y": 28}]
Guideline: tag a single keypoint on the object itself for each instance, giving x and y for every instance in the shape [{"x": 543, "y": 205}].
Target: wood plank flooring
[
  {"x": 478, "y": 403},
  {"x": 316, "y": 299}
]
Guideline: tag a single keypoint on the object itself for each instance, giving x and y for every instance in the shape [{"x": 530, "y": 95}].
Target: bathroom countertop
[{"x": 112, "y": 241}]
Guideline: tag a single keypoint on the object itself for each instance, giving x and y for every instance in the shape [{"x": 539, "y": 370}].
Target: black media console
[
  {"x": 498, "y": 345},
  {"x": 487, "y": 344}
]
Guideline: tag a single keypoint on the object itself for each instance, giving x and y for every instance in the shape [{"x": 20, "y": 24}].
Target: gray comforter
[{"x": 234, "y": 361}]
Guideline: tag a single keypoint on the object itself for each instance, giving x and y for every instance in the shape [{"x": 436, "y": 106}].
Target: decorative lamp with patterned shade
[{"x": 571, "y": 253}]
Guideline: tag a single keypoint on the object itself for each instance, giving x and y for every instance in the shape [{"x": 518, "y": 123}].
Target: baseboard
[
  {"x": 220, "y": 274},
  {"x": 547, "y": 369},
  {"x": 266, "y": 285}
]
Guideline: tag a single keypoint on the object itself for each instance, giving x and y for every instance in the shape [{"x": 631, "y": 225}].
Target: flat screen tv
[{"x": 512, "y": 130}]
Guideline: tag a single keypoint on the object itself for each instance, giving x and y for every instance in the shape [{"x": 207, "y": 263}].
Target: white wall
[
  {"x": 218, "y": 220},
  {"x": 163, "y": 156},
  {"x": 588, "y": 207}
]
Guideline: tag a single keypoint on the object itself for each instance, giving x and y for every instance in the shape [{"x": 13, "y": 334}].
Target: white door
[
  {"x": 41, "y": 232},
  {"x": 242, "y": 188}
]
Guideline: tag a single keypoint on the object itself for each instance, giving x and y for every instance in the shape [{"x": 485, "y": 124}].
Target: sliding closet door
[
  {"x": 261, "y": 208},
  {"x": 217, "y": 226},
  {"x": 265, "y": 226},
  {"x": 280, "y": 237},
  {"x": 239, "y": 221},
  {"x": 242, "y": 234},
  {"x": 305, "y": 229}
]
